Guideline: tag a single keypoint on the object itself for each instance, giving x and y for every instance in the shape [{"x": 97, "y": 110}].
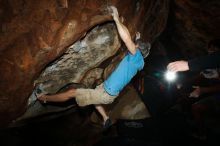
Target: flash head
[{"x": 170, "y": 76}]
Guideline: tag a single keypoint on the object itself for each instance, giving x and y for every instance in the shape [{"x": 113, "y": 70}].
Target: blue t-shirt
[{"x": 124, "y": 72}]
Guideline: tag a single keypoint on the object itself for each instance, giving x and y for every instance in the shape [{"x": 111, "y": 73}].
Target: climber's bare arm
[{"x": 123, "y": 31}]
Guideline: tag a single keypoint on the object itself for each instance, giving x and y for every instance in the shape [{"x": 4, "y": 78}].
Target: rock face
[
  {"x": 35, "y": 33},
  {"x": 99, "y": 44},
  {"x": 78, "y": 64}
]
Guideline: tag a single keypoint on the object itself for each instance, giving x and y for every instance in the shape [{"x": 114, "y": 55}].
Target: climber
[{"x": 107, "y": 91}]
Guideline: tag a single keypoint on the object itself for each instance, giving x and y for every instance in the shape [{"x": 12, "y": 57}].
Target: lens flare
[{"x": 170, "y": 76}]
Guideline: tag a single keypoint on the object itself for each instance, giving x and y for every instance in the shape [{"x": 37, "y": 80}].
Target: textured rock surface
[
  {"x": 34, "y": 33},
  {"x": 99, "y": 44},
  {"x": 76, "y": 65}
]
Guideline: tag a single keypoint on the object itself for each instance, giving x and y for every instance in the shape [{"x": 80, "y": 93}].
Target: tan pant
[{"x": 93, "y": 96}]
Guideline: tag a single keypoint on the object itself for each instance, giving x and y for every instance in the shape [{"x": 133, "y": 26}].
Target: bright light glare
[{"x": 170, "y": 76}]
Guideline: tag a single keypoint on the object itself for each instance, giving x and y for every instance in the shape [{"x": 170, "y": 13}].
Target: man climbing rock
[{"x": 106, "y": 92}]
